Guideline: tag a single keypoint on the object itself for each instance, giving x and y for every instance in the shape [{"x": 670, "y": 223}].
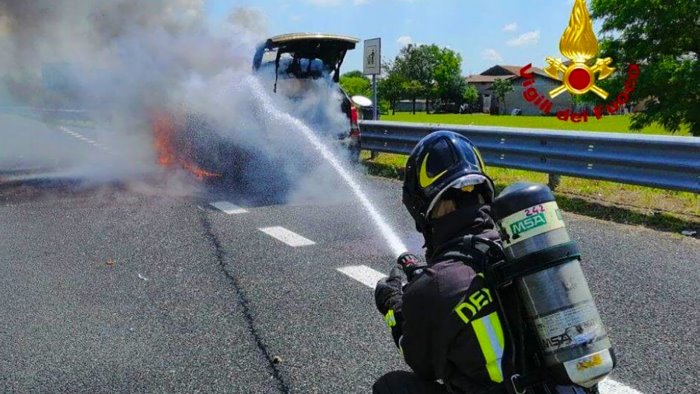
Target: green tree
[
  {"x": 384, "y": 106},
  {"x": 501, "y": 87},
  {"x": 417, "y": 64},
  {"x": 449, "y": 83},
  {"x": 354, "y": 83},
  {"x": 390, "y": 87},
  {"x": 412, "y": 89},
  {"x": 663, "y": 38},
  {"x": 437, "y": 70},
  {"x": 470, "y": 95},
  {"x": 354, "y": 73}
]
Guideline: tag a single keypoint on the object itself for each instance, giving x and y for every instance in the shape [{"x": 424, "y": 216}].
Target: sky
[{"x": 485, "y": 33}]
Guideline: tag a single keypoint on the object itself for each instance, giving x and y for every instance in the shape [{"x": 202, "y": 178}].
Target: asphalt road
[{"x": 142, "y": 287}]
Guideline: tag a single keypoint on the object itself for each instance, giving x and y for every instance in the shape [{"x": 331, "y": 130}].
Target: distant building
[
  {"x": 407, "y": 105},
  {"x": 515, "y": 100}
]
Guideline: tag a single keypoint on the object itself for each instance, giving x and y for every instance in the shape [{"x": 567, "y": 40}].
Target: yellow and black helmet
[{"x": 441, "y": 161}]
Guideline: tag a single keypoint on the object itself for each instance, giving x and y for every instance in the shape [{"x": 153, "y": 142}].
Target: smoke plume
[{"x": 129, "y": 59}]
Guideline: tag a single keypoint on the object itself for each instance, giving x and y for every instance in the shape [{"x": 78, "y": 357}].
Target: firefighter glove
[{"x": 388, "y": 292}]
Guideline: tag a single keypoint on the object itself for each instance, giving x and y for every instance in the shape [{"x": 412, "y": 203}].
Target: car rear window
[{"x": 291, "y": 68}]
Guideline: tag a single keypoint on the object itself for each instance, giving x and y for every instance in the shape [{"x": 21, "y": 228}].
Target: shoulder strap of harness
[{"x": 468, "y": 249}]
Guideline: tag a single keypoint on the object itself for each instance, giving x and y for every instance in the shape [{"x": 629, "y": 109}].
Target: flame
[
  {"x": 164, "y": 131},
  {"x": 163, "y": 126},
  {"x": 578, "y": 42},
  {"x": 199, "y": 173}
]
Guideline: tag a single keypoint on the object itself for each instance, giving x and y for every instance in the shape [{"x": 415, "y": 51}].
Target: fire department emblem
[{"x": 579, "y": 44}]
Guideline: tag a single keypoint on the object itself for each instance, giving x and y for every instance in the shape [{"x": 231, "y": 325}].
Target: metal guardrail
[{"x": 650, "y": 160}]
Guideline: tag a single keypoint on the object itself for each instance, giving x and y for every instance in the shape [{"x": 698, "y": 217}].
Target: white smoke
[{"x": 133, "y": 57}]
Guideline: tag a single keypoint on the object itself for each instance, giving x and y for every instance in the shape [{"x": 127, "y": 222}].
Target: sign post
[{"x": 373, "y": 66}]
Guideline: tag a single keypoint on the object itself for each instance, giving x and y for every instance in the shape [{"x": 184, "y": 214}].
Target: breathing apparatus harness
[
  {"x": 557, "y": 337},
  {"x": 488, "y": 257}
]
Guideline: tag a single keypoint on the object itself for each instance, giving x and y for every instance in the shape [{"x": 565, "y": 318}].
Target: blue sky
[{"x": 483, "y": 32}]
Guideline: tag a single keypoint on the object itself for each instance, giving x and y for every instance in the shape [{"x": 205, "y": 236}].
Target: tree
[
  {"x": 501, "y": 87},
  {"x": 663, "y": 38},
  {"x": 437, "y": 70},
  {"x": 354, "y": 73},
  {"x": 417, "y": 64},
  {"x": 390, "y": 87},
  {"x": 354, "y": 83},
  {"x": 412, "y": 89},
  {"x": 450, "y": 84},
  {"x": 470, "y": 95}
]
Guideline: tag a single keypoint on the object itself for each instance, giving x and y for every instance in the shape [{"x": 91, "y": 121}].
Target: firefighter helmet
[{"x": 442, "y": 161}]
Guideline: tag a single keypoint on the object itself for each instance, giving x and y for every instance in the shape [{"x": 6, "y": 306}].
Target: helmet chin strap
[
  {"x": 468, "y": 220},
  {"x": 429, "y": 248},
  {"x": 423, "y": 226}
]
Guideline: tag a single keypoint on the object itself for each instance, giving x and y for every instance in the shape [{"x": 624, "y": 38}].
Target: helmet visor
[{"x": 465, "y": 183}]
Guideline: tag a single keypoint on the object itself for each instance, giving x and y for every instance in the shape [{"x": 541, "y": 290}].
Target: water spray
[{"x": 397, "y": 247}]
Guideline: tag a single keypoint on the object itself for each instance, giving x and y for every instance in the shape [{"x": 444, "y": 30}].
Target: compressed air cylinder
[{"x": 551, "y": 285}]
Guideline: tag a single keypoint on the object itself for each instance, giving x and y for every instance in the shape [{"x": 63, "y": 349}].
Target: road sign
[{"x": 373, "y": 57}]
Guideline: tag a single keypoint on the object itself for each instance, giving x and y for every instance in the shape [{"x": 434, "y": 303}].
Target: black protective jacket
[{"x": 450, "y": 327}]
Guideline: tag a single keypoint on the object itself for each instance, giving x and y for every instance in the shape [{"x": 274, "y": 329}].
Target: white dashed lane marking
[
  {"x": 83, "y": 138},
  {"x": 609, "y": 386},
  {"x": 227, "y": 207},
  {"x": 363, "y": 274},
  {"x": 289, "y": 237}
]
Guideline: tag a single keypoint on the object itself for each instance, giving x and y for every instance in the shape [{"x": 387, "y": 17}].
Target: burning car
[
  {"x": 300, "y": 57},
  {"x": 298, "y": 67}
]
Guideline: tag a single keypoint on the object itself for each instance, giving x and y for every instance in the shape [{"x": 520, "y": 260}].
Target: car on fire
[
  {"x": 303, "y": 56},
  {"x": 296, "y": 65}
]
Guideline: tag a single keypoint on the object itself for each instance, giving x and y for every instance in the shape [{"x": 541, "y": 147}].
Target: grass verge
[
  {"x": 617, "y": 124},
  {"x": 655, "y": 208}
]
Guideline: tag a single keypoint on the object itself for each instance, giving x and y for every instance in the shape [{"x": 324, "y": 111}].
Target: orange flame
[
  {"x": 164, "y": 131},
  {"x": 199, "y": 173},
  {"x": 163, "y": 126},
  {"x": 578, "y": 42}
]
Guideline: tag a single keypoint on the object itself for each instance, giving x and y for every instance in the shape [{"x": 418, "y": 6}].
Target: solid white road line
[
  {"x": 609, "y": 386},
  {"x": 289, "y": 237},
  {"x": 363, "y": 274},
  {"x": 227, "y": 207}
]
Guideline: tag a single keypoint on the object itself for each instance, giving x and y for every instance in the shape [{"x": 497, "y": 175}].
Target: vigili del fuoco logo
[{"x": 580, "y": 73}]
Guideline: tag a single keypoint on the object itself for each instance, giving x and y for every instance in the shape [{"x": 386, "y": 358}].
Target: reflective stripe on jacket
[{"x": 452, "y": 329}]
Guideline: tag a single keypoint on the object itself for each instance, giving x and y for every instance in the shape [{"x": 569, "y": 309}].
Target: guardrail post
[{"x": 554, "y": 181}]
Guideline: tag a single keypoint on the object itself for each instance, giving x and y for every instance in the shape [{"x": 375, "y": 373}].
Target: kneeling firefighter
[{"x": 501, "y": 305}]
